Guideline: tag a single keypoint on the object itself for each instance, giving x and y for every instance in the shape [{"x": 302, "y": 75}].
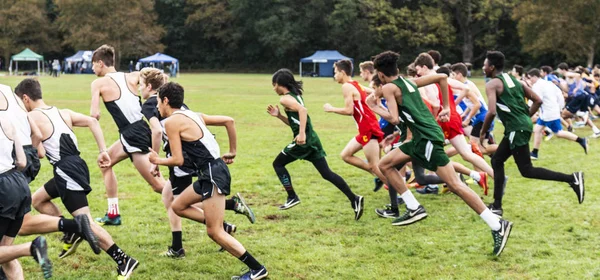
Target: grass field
[{"x": 553, "y": 237}]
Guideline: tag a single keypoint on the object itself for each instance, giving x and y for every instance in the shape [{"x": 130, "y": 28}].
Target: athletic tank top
[
  {"x": 127, "y": 109},
  {"x": 415, "y": 114},
  {"x": 7, "y": 162},
  {"x": 16, "y": 115},
  {"x": 482, "y": 110},
  {"x": 363, "y": 116},
  {"x": 512, "y": 110},
  {"x": 203, "y": 150},
  {"x": 63, "y": 142},
  {"x": 454, "y": 116}
]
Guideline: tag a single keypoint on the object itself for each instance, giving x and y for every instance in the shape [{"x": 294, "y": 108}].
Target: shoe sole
[
  {"x": 250, "y": 215},
  {"x": 284, "y": 207},
  {"x": 73, "y": 248},
  {"x": 413, "y": 220},
  {"x": 89, "y": 235},
  {"x": 262, "y": 276},
  {"x": 42, "y": 257},
  {"x": 359, "y": 212},
  {"x": 384, "y": 216},
  {"x": 581, "y": 187},
  {"x": 505, "y": 239}
]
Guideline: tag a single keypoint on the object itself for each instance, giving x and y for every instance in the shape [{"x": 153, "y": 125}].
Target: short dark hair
[
  {"x": 460, "y": 68},
  {"x": 519, "y": 69},
  {"x": 106, "y": 54},
  {"x": 546, "y": 69},
  {"x": 496, "y": 59},
  {"x": 31, "y": 87},
  {"x": 443, "y": 70},
  {"x": 376, "y": 81},
  {"x": 387, "y": 63},
  {"x": 437, "y": 56},
  {"x": 424, "y": 59},
  {"x": 534, "y": 72},
  {"x": 174, "y": 92},
  {"x": 344, "y": 65},
  {"x": 469, "y": 65},
  {"x": 563, "y": 66}
]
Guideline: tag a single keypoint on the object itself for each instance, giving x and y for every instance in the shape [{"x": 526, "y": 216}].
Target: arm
[
  {"x": 442, "y": 79},
  {"x": 431, "y": 99},
  {"x": 80, "y": 120},
  {"x": 173, "y": 130},
  {"x": 348, "y": 109},
  {"x": 375, "y": 104},
  {"x": 36, "y": 134},
  {"x": 274, "y": 111},
  {"x": 490, "y": 90},
  {"x": 472, "y": 111},
  {"x": 537, "y": 102},
  {"x": 229, "y": 124},
  {"x": 9, "y": 131},
  {"x": 291, "y": 103},
  {"x": 389, "y": 93},
  {"x": 156, "y": 133},
  {"x": 95, "y": 104}
]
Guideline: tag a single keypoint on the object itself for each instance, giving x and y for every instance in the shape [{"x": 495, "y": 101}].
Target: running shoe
[{"x": 242, "y": 208}]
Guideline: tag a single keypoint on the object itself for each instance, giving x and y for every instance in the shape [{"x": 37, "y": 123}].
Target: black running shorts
[
  {"x": 215, "y": 173},
  {"x": 136, "y": 138},
  {"x": 33, "y": 163},
  {"x": 71, "y": 183},
  {"x": 15, "y": 197}
]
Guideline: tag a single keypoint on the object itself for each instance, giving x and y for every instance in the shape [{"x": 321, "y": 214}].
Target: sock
[
  {"x": 250, "y": 261},
  {"x": 290, "y": 191},
  {"x": 117, "y": 254},
  {"x": 475, "y": 175},
  {"x": 490, "y": 219},
  {"x": 579, "y": 140},
  {"x": 68, "y": 225},
  {"x": 535, "y": 151},
  {"x": 113, "y": 207},
  {"x": 410, "y": 200},
  {"x": 229, "y": 204},
  {"x": 595, "y": 129},
  {"x": 176, "y": 243}
]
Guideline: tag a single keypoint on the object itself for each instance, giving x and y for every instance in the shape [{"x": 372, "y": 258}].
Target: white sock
[
  {"x": 475, "y": 175},
  {"x": 410, "y": 200},
  {"x": 113, "y": 206},
  {"x": 492, "y": 220}
]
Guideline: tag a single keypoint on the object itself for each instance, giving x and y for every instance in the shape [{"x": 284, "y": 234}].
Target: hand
[
  {"x": 388, "y": 140},
  {"x": 466, "y": 123},
  {"x": 154, "y": 170},
  {"x": 444, "y": 115},
  {"x": 104, "y": 159},
  {"x": 371, "y": 100},
  {"x": 153, "y": 157},
  {"x": 228, "y": 158},
  {"x": 482, "y": 137},
  {"x": 300, "y": 139},
  {"x": 327, "y": 107},
  {"x": 273, "y": 110}
]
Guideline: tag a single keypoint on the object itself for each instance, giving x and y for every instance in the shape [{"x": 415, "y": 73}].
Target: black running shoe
[
  {"x": 410, "y": 216},
  {"x": 378, "y": 184},
  {"x": 252, "y": 274},
  {"x": 578, "y": 185},
  {"x": 70, "y": 243},
  {"x": 86, "y": 232},
  {"x": 358, "y": 204},
  {"x": 496, "y": 210},
  {"x": 291, "y": 202},
  {"x": 39, "y": 251},
  {"x": 387, "y": 213},
  {"x": 501, "y": 236},
  {"x": 584, "y": 145},
  {"x": 125, "y": 269},
  {"x": 170, "y": 253}
]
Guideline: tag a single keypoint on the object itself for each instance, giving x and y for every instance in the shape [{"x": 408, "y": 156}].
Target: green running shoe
[
  {"x": 242, "y": 208},
  {"x": 106, "y": 221},
  {"x": 501, "y": 236}
]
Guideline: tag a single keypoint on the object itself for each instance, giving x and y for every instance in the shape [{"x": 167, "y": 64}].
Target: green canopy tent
[{"x": 26, "y": 55}]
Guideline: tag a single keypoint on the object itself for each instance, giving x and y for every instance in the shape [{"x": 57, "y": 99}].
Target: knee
[
  {"x": 157, "y": 187},
  {"x": 214, "y": 232},
  {"x": 36, "y": 202},
  {"x": 526, "y": 171},
  {"x": 177, "y": 208},
  {"x": 345, "y": 157}
]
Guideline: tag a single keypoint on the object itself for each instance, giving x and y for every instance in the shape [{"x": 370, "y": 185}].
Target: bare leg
[
  {"x": 167, "y": 198},
  {"x": 537, "y": 136},
  {"x": 104, "y": 238},
  {"x": 456, "y": 186},
  {"x": 38, "y": 224},
  {"x": 184, "y": 206},
  {"x": 215, "y": 210},
  {"x": 143, "y": 165},
  {"x": 372, "y": 153},
  {"x": 8, "y": 257},
  {"x": 463, "y": 149},
  {"x": 388, "y": 164},
  {"x": 41, "y": 201},
  {"x": 348, "y": 155},
  {"x": 116, "y": 154}
]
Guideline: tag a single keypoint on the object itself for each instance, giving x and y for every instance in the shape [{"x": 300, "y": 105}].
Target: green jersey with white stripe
[
  {"x": 415, "y": 114},
  {"x": 511, "y": 107},
  {"x": 310, "y": 151}
]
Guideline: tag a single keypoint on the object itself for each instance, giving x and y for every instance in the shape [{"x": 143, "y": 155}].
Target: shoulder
[{"x": 100, "y": 81}]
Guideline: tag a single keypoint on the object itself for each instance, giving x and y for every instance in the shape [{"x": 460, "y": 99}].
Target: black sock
[
  {"x": 579, "y": 140},
  {"x": 176, "y": 244},
  {"x": 535, "y": 151},
  {"x": 250, "y": 261},
  {"x": 229, "y": 204},
  {"x": 68, "y": 225},
  {"x": 116, "y": 254},
  {"x": 395, "y": 209},
  {"x": 290, "y": 191}
]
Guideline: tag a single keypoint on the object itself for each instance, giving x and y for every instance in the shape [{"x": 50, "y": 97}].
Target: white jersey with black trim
[
  {"x": 127, "y": 109},
  {"x": 62, "y": 142},
  {"x": 7, "y": 162},
  {"x": 203, "y": 150},
  {"x": 16, "y": 115}
]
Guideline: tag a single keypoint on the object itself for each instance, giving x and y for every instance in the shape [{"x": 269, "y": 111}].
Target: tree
[
  {"x": 569, "y": 28},
  {"x": 129, "y": 26},
  {"x": 24, "y": 24}
]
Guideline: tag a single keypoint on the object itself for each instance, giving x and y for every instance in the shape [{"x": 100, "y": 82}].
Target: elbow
[
  {"x": 395, "y": 121},
  {"x": 20, "y": 164},
  {"x": 178, "y": 161},
  {"x": 96, "y": 116}
]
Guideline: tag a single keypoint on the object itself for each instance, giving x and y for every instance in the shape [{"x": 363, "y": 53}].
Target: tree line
[{"x": 257, "y": 35}]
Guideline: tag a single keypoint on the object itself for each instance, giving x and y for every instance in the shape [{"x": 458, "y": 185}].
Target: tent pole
[
  {"x": 38, "y": 67},
  {"x": 17, "y": 68},
  {"x": 300, "y": 69}
]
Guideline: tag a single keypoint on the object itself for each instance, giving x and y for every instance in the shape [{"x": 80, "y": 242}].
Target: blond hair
[
  {"x": 153, "y": 77},
  {"x": 367, "y": 65}
]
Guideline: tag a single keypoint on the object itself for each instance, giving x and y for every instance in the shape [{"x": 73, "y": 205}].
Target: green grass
[{"x": 553, "y": 237}]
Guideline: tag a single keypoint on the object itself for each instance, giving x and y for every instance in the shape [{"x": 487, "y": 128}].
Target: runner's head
[
  {"x": 150, "y": 80},
  {"x": 377, "y": 86},
  {"x": 437, "y": 56},
  {"x": 517, "y": 71},
  {"x": 386, "y": 64},
  {"x": 411, "y": 71},
  {"x": 460, "y": 71},
  {"x": 545, "y": 70},
  {"x": 103, "y": 59},
  {"x": 284, "y": 82},
  {"x": 562, "y": 68},
  {"x": 493, "y": 64},
  {"x": 29, "y": 90},
  {"x": 342, "y": 70},
  {"x": 534, "y": 75},
  {"x": 366, "y": 70},
  {"x": 444, "y": 70},
  {"x": 423, "y": 63},
  {"x": 170, "y": 97}
]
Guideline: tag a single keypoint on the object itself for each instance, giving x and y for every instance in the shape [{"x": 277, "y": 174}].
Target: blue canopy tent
[
  {"x": 161, "y": 57},
  {"x": 325, "y": 59},
  {"x": 81, "y": 62}
]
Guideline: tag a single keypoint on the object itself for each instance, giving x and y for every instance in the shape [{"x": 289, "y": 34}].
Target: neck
[
  {"x": 346, "y": 79},
  {"x": 38, "y": 104},
  {"x": 171, "y": 110},
  {"x": 110, "y": 70},
  {"x": 462, "y": 79},
  {"x": 390, "y": 79}
]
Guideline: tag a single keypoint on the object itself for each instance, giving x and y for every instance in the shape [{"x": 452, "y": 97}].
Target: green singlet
[
  {"x": 513, "y": 112},
  {"x": 310, "y": 151}
]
